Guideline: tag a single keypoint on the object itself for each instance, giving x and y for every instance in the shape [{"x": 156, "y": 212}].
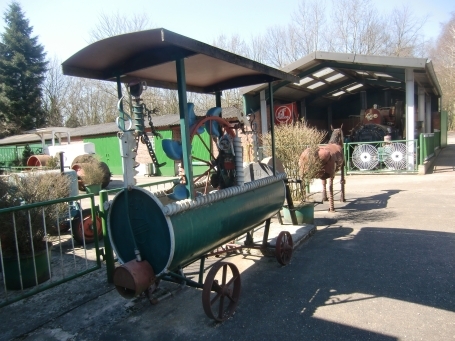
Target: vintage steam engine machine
[
  {"x": 377, "y": 139},
  {"x": 155, "y": 239}
]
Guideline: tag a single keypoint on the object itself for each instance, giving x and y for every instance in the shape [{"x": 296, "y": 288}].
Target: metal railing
[
  {"x": 437, "y": 139},
  {"x": 382, "y": 157},
  {"x": 429, "y": 142},
  {"x": 25, "y": 274},
  {"x": 11, "y": 156}
]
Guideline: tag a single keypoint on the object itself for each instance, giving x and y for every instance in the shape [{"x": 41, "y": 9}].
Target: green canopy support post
[
  {"x": 201, "y": 271},
  {"x": 290, "y": 204},
  {"x": 108, "y": 252},
  {"x": 119, "y": 95},
  {"x": 218, "y": 99},
  {"x": 184, "y": 128},
  {"x": 421, "y": 156},
  {"x": 272, "y": 128},
  {"x": 265, "y": 237}
]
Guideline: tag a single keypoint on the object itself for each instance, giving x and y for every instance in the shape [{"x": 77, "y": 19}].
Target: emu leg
[
  {"x": 331, "y": 204},
  {"x": 324, "y": 190},
  {"x": 342, "y": 182}
]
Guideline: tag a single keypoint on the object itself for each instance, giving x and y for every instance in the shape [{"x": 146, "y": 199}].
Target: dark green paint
[{"x": 196, "y": 231}]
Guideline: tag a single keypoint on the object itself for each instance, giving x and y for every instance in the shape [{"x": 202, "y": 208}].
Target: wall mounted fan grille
[
  {"x": 365, "y": 157},
  {"x": 395, "y": 157}
]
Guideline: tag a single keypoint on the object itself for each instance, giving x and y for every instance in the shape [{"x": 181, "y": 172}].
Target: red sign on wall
[{"x": 285, "y": 113}]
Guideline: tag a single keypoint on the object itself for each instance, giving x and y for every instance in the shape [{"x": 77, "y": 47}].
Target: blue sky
[{"x": 63, "y": 26}]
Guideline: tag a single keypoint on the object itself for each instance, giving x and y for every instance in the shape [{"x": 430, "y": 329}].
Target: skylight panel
[
  {"x": 315, "y": 85},
  {"x": 354, "y": 87},
  {"x": 334, "y": 77},
  {"x": 323, "y": 72},
  {"x": 304, "y": 81},
  {"x": 380, "y": 74}
]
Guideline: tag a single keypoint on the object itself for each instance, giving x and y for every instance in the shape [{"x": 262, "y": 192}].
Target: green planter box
[
  {"x": 304, "y": 214},
  {"x": 11, "y": 270}
]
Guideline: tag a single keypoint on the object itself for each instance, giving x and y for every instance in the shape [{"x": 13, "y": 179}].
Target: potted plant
[
  {"x": 290, "y": 141},
  {"x": 92, "y": 175},
  {"x": 24, "y": 237}
]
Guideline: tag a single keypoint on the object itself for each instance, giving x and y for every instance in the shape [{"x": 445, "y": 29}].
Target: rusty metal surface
[
  {"x": 220, "y": 296},
  {"x": 133, "y": 278},
  {"x": 284, "y": 247}
]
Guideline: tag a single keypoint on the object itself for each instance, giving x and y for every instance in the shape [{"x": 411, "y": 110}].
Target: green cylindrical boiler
[{"x": 178, "y": 233}]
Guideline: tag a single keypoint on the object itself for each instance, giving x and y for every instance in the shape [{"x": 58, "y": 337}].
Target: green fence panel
[
  {"x": 8, "y": 154},
  {"x": 426, "y": 147},
  {"x": 437, "y": 139},
  {"x": 11, "y": 154},
  {"x": 380, "y": 157},
  {"x": 62, "y": 259}
]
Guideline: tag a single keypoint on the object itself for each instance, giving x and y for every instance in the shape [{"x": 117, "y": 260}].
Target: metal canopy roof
[
  {"x": 326, "y": 77},
  {"x": 150, "y": 56}
]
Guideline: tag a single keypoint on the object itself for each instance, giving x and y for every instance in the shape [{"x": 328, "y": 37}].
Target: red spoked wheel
[
  {"x": 225, "y": 128},
  {"x": 220, "y": 296},
  {"x": 84, "y": 229},
  {"x": 284, "y": 247}
]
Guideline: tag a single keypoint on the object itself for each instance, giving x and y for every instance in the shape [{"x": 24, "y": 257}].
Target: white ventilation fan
[
  {"x": 396, "y": 156},
  {"x": 365, "y": 157}
]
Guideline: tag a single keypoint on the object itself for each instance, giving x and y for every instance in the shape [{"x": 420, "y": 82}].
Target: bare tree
[
  {"x": 405, "y": 29},
  {"x": 353, "y": 26},
  {"x": 356, "y": 27},
  {"x": 444, "y": 61},
  {"x": 234, "y": 44},
  {"x": 277, "y": 45},
  {"x": 115, "y": 24},
  {"x": 77, "y": 101},
  {"x": 89, "y": 102},
  {"x": 258, "y": 49},
  {"x": 232, "y": 97},
  {"x": 55, "y": 90},
  {"x": 309, "y": 23}
]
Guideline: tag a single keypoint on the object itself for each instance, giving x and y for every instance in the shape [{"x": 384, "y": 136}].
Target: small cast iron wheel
[
  {"x": 284, "y": 247},
  {"x": 85, "y": 227},
  {"x": 221, "y": 296}
]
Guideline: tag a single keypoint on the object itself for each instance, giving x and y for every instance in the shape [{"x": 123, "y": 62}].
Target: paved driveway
[{"x": 381, "y": 268}]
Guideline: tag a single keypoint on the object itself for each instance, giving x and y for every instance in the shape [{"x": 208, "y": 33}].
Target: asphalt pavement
[{"x": 382, "y": 267}]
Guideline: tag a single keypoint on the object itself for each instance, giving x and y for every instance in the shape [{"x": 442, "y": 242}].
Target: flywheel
[
  {"x": 365, "y": 157},
  {"x": 396, "y": 156}
]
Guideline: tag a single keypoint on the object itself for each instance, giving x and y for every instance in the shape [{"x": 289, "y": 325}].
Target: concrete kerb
[{"x": 299, "y": 234}]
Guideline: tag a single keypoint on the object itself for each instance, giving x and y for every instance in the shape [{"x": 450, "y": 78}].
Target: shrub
[
  {"x": 290, "y": 141},
  {"x": 30, "y": 225},
  {"x": 92, "y": 173}
]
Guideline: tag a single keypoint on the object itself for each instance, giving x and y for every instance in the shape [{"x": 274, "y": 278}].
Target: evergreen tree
[
  {"x": 22, "y": 72},
  {"x": 26, "y": 154}
]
